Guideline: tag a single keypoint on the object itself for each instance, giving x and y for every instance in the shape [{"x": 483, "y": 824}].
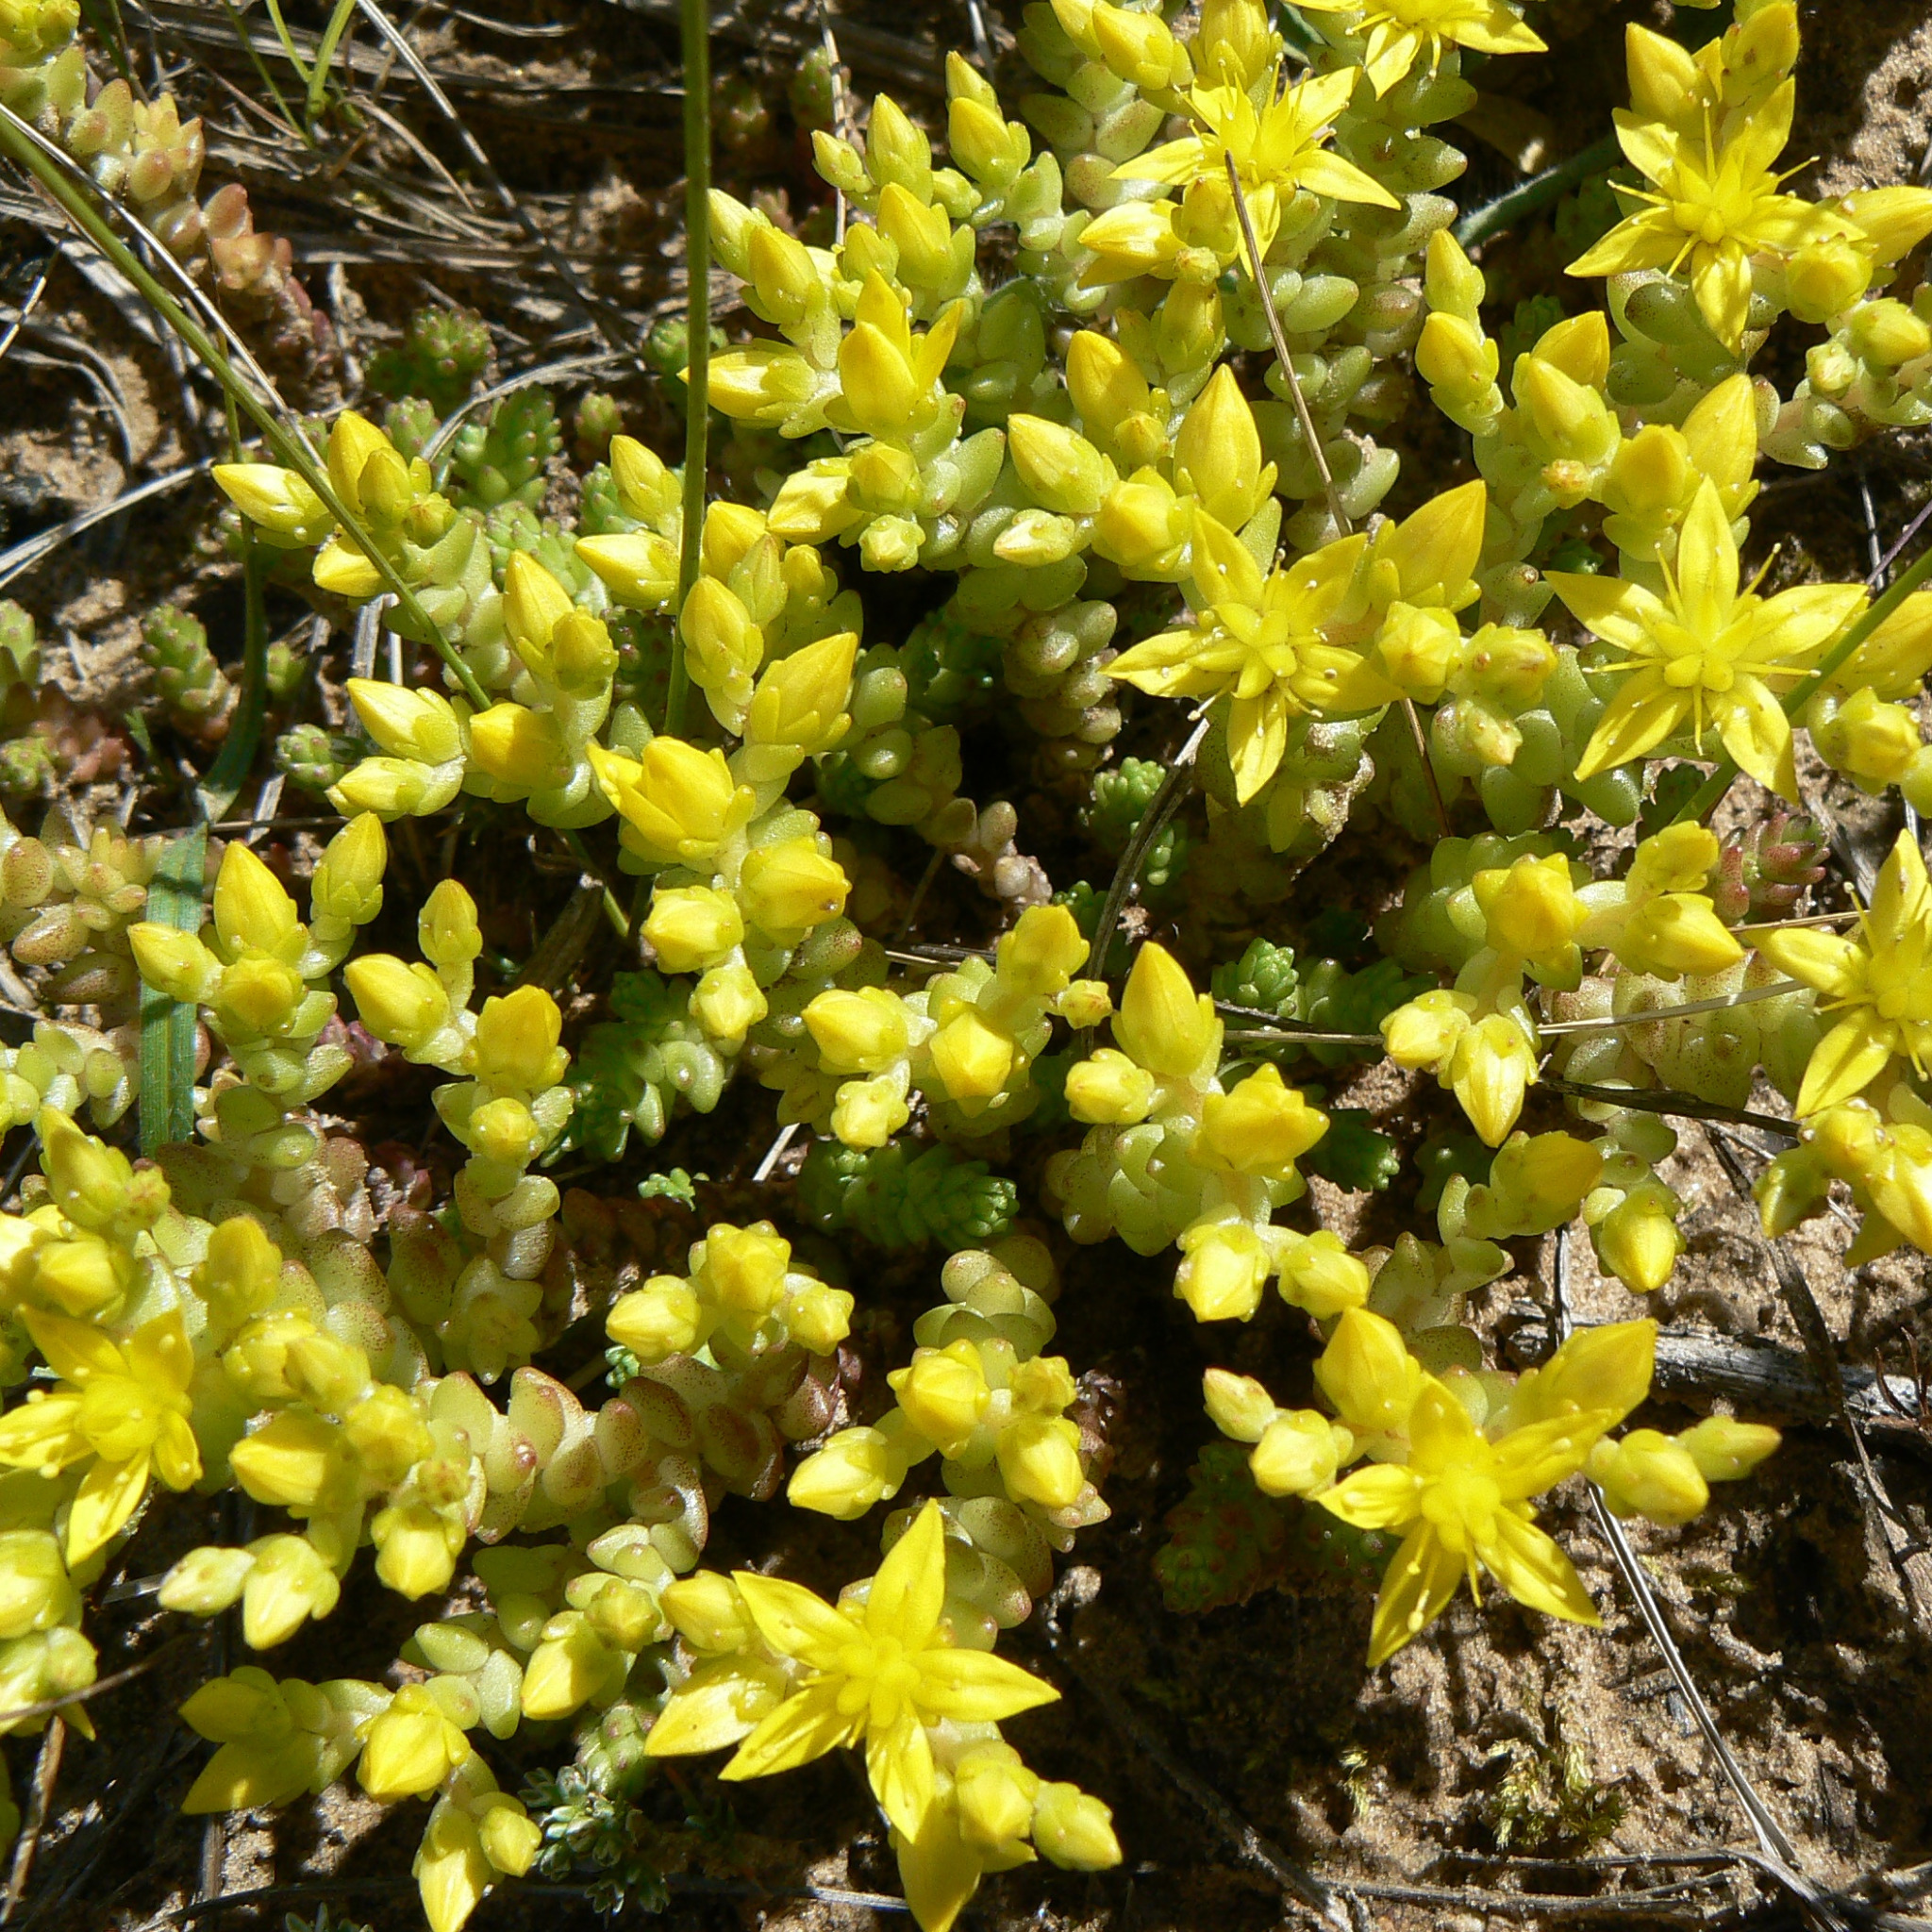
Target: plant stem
[
  {"x": 694, "y": 25},
  {"x": 325, "y": 58},
  {"x": 1537, "y": 192},
  {"x": 1316, "y": 453}
]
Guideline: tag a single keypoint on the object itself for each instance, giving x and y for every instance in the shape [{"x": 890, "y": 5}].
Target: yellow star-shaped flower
[
  {"x": 1707, "y": 654},
  {"x": 1710, "y": 208},
  {"x": 1401, "y": 32}
]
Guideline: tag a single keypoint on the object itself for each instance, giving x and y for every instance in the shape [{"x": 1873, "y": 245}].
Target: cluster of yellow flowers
[{"x": 1142, "y": 466}]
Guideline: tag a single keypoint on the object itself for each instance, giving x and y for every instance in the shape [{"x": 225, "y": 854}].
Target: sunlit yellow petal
[
  {"x": 898, "y": 1761},
  {"x": 975, "y": 1687},
  {"x": 909, "y": 1591},
  {"x": 794, "y": 1622},
  {"x": 1644, "y": 714},
  {"x": 1843, "y": 1063},
  {"x": 1381, "y": 1496},
  {"x": 110, "y": 1493},
  {"x": 1533, "y": 1570},
  {"x": 805, "y": 1726},
  {"x": 1420, "y": 1578}
]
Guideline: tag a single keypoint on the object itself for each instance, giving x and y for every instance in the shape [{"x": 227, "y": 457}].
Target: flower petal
[
  {"x": 1420, "y": 1578},
  {"x": 1790, "y": 627},
  {"x": 110, "y": 1493},
  {"x": 1707, "y": 564},
  {"x": 1843, "y": 1064},
  {"x": 1541, "y": 1455},
  {"x": 1533, "y": 1570},
  {"x": 720, "y": 1703},
  {"x": 975, "y": 1687},
  {"x": 1824, "y": 959},
  {"x": 1758, "y": 734},
  {"x": 806, "y": 1725},
  {"x": 938, "y": 1871},
  {"x": 159, "y": 1353},
  {"x": 1618, "y": 611},
  {"x": 1642, "y": 714},
  {"x": 1322, "y": 173},
  {"x": 1382, "y": 1496},
  {"x": 76, "y": 1351},
  {"x": 898, "y": 1761},
  {"x": 909, "y": 1591},
  {"x": 240, "y": 1777},
  {"x": 1721, "y": 280},
  {"x": 794, "y": 1622},
  {"x": 1256, "y": 737},
  {"x": 1649, "y": 239},
  {"x": 177, "y": 1455}
]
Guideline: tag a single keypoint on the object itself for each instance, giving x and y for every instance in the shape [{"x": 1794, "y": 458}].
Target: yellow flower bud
[
  {"x": 680, "y": 803},
  {"x": 1105, "y": 386},
  {"x": 1217, "y": 450},
  {"x": 638, "y": 568},
  {"x": 402, "y": 1004},
  {"x": 353, "y": 440},
  {"x": 858, "y": 1032},
  {"x": 407, "y": 724},
  {"x": 1059, "y": 466},
  {"x": 743, "y": 1266},
  {"x": 205, "y": 1582},
  {"x": 801, "y": 700},
  {"x": 1039, "y": 1460},
  {"x": 343, "y": 570},
  {"x": 727, "y": 1003},
  {"x": 1637, "y": 1240},
  {"x": 385, "y": 1436},
  {"x": 1489, "y": 1072},
  {"x": 1223, "y": 1271},
  {"x": 1139, "y": 47},
  {"x": 868, "y": 1113},
  {"x": 1139, "y": 525},
  {"x": 1238, "y": 1406},
  {"x": 1042, "y": 952},
  {"x": 290, "y": 1460},
  {"x": 411, "y": 1748},
  {"x": 1085, "y": 1003},
  {"x": 1298, "y": 1454},
  {"x": 251, "y": 907},
  {"x": 1454, "y": 355},
  {"x": 1317, "y": 1274},
  {"x": 1109, "y": 1090},
  {"x": 1648, "y": 1474},
  {"x": 995, "y": 1793},
  {"x": 1369, "y": 1374},
  {"x": 289, "y": 1586},
  {"x": 347, "y": 885},
  {"x": 567, "y": 1668},
  {"x": 1607, "y": 1369},
  {"x": 1073, "y": 1829},
  {"x": 276, "y": 502},
  {"x": 519, "y": 747},
  {"x": 502, "y": 1131},
  {"x": 1893, "y": 220},
  {"x": 819, "y": 1317},
  {"x": 450, "y": 1868},
  {"x": 1725, "y": 1449},
  {"x": 1425, "y": 1032},
  {"x": 516, "y": 1041},
  {"x": 692, "y": 927},
  {"x": 510, "y": 1837},
  {"x": 175, "y": 963},
  {"x": 1163, "y": 1023},
  {"x": 661, "y": 1319},
  {"x": 1262, "y": 1127},
  {"x": 781, "y": 274},
  {"x": 416, "y": 1551},
  {"x": 646, "y": 490},
  {"x": 855, "y": 1470},
  {"x": 257, "y": 996},
  {"x": 971, "y": 1058},
  {"x": 705, "y": 1609},
  {"x": 1531, "y": 907},
  {"x": 789, "y": 886},
  {"x": 944, "y": 1394}
]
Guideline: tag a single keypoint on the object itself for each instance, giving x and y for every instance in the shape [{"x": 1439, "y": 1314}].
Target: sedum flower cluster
[{"x": 1074, "y": 428}]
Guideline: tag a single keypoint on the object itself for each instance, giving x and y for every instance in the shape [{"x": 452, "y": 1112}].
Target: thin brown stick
[
  {"x": 1303, "y": 414},
  {"x": 45, "y": 1771},
  {"x": 53, "y": 1705}
]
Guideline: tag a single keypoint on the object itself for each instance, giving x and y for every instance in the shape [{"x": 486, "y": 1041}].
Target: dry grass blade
[
  {"x": 1776, "y": 1846},
  {"x": 46, "y": 1770},
  {"x": 30, "y": 550},
  {"x": 609, "y": 323},
  {"x": 1909, "y": 1557}
]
